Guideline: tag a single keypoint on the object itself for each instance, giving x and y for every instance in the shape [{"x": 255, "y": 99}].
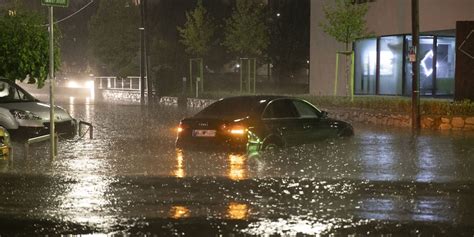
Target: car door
[
  {"x": 315, "y": 125},
  {"x": 281, "y": 119}
]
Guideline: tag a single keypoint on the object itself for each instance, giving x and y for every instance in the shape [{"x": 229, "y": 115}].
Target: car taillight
[
  {"x": 237, "y": 130},
  {"x": 181, "y": 127}
]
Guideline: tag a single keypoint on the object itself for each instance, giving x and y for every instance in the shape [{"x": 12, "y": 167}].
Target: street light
[{"x": 142, "y": 30}]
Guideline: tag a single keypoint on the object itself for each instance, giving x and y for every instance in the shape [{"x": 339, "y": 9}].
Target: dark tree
[
  {"x": 114, "y": 37},
  {"x": 198, "y": 31},
  {"x": 246, "y": 33},
  {"x": 24, "y": 46},
  {"x": 290, "y": 34},
  {"x": 168, "y": 59}
]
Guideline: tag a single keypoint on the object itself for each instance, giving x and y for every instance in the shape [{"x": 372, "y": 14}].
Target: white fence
[{"x": 123, "y": 84}]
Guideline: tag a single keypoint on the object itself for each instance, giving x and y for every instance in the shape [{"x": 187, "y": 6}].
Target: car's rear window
[{"x": 231, "y": 108}]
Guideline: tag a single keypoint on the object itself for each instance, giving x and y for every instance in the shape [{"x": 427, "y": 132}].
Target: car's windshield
[{"x": 10, "y": 93}]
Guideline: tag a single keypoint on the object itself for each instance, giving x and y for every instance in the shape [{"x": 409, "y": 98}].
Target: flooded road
[{"x": 131, "y": 180}]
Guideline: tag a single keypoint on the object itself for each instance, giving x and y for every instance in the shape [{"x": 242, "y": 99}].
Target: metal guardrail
[
  {"x": 46, "y": 137},
  {"x": 131, "y": 83},
  {"x": 37, "y": 140},
  {"x": 90, "y": 129}
]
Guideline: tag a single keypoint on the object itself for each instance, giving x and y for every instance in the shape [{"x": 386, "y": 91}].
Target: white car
[{"x": 24, "y": 116}]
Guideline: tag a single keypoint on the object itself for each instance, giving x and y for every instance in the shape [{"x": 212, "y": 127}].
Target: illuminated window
[
  {"x": 391, "y": 65},
  {"x": 445, "y": 62},
  {"x": 386, "y": 64},
  {"x": 366, "y": 66},
  {"x": 426, "y": 52}
]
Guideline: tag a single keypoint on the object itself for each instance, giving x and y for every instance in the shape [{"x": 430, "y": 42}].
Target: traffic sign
[{"x": 55, "y": 3}]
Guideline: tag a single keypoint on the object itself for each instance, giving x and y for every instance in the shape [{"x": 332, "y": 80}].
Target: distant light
[
  {"x": 238, "y": 65},
  {"x": 73, "y": 84},
  {"x": 278, "y": 14},
  {"x": 90, "y": 84},
  {"x": 307, "y": 61}
]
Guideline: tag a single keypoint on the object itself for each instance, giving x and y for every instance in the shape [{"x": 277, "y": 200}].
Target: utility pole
[
  {"x": 415, "y": 116},
  {"x": 142, "y": 53},
  {"x": 147, "y": 65},
  {"x": 52, "y": 132}
]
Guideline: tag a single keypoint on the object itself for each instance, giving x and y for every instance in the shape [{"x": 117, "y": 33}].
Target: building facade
[{"x": 381, "y": 62}]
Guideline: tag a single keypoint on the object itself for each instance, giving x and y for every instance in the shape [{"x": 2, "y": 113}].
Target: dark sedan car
[{"x": 254, "y": 123}]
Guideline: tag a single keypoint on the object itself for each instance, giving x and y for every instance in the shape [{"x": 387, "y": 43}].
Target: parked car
[
  {"x": 24, "y": 116},
  {"x": 255, "y": 123}
]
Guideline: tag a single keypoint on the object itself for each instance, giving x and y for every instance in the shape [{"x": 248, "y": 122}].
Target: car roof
[
  {"x": 256, "y": 97},
  {"x": 238, "y": 106}
]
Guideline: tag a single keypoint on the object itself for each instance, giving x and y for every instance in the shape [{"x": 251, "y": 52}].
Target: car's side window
[
  {"x": 4, "y": 89},
  {"x": 305, "y": 110},
  {"x": 280, "y": 109},
  {"x": 21, "y": 95}
]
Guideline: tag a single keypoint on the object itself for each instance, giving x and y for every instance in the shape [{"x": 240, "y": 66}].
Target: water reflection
[
  {"x": 238, "y": 211},
  {"x": 431, "y": 166},
  {"x": 71, "y": 109},
  {"x": 179, "y": 171},
  {"x": 403, "y": 208},
  {"x": 86, "y": 200},
  {"x": 88, "y": 110},
  {"x": 237, "y": 167},
  {"x": 179, "y": 212},
  {"x": 378, "y": 157},
  {"x": 293, "y": 226}
]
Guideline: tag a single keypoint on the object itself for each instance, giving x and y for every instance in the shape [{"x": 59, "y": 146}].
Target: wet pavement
[{"x": 130, "y": 180}]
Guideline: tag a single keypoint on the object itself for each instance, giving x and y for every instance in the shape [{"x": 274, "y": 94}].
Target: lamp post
[{"x": 142, "y": 52}]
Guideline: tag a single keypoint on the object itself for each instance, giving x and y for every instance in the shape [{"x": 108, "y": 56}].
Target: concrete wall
[{"x": 385, "y": 17}]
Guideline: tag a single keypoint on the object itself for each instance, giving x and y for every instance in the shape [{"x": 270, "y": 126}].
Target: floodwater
[{"x": 130, "y": 180}]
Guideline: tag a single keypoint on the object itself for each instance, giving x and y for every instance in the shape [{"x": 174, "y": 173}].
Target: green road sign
[{"x": 55, "y": 3}]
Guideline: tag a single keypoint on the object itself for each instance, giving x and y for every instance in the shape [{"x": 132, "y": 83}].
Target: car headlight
[{"x": 24, "y": 115}]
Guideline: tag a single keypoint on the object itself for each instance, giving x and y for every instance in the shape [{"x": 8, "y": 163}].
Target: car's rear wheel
[
  {"x": 346, "y": 132},
  {"x": 271, "y": 145}
]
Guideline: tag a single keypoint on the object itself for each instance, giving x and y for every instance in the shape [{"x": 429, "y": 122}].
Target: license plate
[{"x": 204, "y": 133}]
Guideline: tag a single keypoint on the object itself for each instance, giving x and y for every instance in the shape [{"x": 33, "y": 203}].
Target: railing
[
  {"x": 37, "y": 140},
  {"x": 117, "y": 83},
  {"x": 90, "y": 130}
]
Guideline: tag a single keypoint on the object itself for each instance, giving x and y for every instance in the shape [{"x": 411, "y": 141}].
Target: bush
[
  {"x": 395, "y": 104},
  {"x": 385, "y": 104}
]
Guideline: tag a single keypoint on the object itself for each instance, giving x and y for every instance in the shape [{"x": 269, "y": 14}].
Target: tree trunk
[{"x": 348, "y": 82}]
